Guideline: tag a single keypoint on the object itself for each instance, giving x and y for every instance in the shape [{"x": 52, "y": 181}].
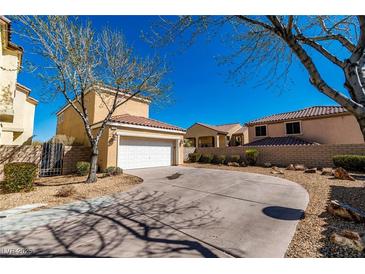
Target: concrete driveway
[{"x": 176, "y": 212}]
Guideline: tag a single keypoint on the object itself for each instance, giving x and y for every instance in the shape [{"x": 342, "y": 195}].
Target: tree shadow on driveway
[{"x": 134, "y": 224}]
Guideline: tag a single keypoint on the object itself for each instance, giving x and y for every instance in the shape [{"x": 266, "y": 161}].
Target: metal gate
[{"x": 51, "y": 159}]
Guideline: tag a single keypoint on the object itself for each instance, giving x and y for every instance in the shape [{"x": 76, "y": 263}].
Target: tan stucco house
[
  {"x": 203, "y": 135},
  {"x": 16, "y": 106},
  {"x": 318, "y": 124},
  {"x": 131, "y": 139}
]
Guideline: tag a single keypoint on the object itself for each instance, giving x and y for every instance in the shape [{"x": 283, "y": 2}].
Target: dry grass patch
[
  {"x": 65, "y": 189},
  {"x": 312, "y": 237}
]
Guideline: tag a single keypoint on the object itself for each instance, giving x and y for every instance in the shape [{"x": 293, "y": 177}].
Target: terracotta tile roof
[
  {"x": 281, "y": 141},
  {"x": 142, "y": 121},
  {"x": 310, "y": 112},
  {"x": 241, "y": 130},
  {"x": 221, "y": 128}
]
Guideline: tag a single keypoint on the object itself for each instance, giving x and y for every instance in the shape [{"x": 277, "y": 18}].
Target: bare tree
[
  {"x": 76, "y": 59},
  {"x": 272, "y": 41}
]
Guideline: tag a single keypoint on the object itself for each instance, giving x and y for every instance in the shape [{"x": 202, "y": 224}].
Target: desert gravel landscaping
[
  {"x": 47, "y": 188},
  {"x": 313, "y": 232}
]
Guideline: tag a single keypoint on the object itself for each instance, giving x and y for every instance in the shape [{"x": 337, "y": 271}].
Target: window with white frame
[
  {"x": 260, "y": 131},
  {"x": 293, "y": 128}
]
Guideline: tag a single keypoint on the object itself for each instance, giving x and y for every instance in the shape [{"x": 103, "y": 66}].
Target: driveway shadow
[
  {"x": 284, "y": 213},
  {"x": 132, "y": 226}
]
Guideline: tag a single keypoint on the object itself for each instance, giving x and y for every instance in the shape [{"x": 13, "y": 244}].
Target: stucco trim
[
  {"x": 147, "y": 135},
  {"x": 139, "y": 127},
  {"x": 8, "y": 45}
]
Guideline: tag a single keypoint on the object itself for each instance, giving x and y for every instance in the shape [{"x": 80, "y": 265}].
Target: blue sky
[{"x": 200, "y": 92}]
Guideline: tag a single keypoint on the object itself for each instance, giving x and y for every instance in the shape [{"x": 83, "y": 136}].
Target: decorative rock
[
  {"x": 267, "y": 164},
  {"x": 327, "y": 172},
  {"x": 276, "y": 170},
  {"x": 290, "y": 167},
  {"x": 350, "y": 239},
  {"x": 233, "y": 164},
  {"x": 346, "y": 212},
  {"x": 299, "y": 167},
  {"x": 341, "y": 173},
  {"x": 310, "y": 170}
]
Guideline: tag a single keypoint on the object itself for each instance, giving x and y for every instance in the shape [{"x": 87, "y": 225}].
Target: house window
[
  {"x": 260, "y": 131},
  {"x": 293, "y": 128}
]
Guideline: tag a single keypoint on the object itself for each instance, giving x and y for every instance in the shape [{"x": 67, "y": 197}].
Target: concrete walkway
[{"x": 176, "y": 212}]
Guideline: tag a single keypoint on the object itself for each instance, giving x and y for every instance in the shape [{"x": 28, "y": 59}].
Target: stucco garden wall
[{"x": 311, "y": 156}]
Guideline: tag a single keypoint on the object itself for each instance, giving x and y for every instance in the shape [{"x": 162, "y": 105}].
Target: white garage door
[{"x": 142, "y": 153}]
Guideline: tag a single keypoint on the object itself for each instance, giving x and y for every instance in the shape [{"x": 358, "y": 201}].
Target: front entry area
[{"x": 136, "y": 152}]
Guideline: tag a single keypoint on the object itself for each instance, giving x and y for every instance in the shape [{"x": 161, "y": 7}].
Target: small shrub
[
  {"x": 206, "y": 158},
  {"x": 19, "y": 177},
  {"x": 350, "y": 162},
  {"x": 194, "y": 157},
  {"x": 219, "y": 159},
  {"x": 251, "y": 156},
  {"x": 66, "y": 191},
  {"x": 113, "y": 171},
  {"x": 235, "y": 158},
  {"x": 82, "y": 168}
]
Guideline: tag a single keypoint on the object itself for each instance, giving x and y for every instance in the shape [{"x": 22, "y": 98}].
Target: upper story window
[
  {"x": 261, "y": 131},
  {"x": 293, "y": 128}
]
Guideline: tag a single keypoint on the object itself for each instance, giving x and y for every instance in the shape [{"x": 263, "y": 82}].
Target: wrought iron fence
[{"x": 51, "y": 159}]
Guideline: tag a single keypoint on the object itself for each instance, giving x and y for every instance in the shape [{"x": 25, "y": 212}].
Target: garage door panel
[{"x": 142, "y": 153}]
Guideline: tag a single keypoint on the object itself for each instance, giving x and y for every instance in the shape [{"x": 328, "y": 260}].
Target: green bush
[
  {"x": 251, "y": 156},
  {"x": 113, "y": 171},
  {"x": 219, "y": 159},
  {"x": 235, "y": 158},
  {"x": 194, "y": 157},
  {"x": 350, "y": 162},
  {"x": 206, "y": 158},
  {"x": 82, "y": 168},
  {"x": 19, "y": 176}
]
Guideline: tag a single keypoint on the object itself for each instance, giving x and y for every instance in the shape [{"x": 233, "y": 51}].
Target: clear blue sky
[{"x": 201, "y": 92}]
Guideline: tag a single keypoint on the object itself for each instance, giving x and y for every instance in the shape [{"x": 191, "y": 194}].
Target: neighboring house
[
  {"x": 16, "y": 106},
  {"x": 318, "y": 124},
  {"x": 203, "y": 135},
  {"x": 131, "y": 139}
]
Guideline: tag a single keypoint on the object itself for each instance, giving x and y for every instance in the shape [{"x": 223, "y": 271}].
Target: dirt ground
[
  {"x": 46, "y": 189},
  {"x": 312, "y": 235}
]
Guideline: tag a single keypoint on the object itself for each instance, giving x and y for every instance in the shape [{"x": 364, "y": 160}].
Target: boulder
[
  {"x": 299, "y": 167},
  {"x": 267, "y": 164},
  {"x": 276, "y": 170},
  {"x": 320, "y": 168},
  {"x": 349, "y": 239},
  {"x": 346, "y": 212},
  {"x": 327, "y": 172},
  {"x": 233, "y": 164},
  {"x": 310, "y": 170},
  {"x": 243, "y": 164},
  {"x": 341, "y": 173},
  {"x": 290, "y": 167}
]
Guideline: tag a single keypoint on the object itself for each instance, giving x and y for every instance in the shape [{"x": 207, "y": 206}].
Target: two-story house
[
  {"x": 318, "y": 124},
  {"x": 131, "y": 139},
  {"x": 16, "y": 106}
]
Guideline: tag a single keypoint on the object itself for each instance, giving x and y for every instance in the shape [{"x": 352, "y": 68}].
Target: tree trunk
[
  {"x": 361, "y": 121},
  {"x": 93, "y": 165}
]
